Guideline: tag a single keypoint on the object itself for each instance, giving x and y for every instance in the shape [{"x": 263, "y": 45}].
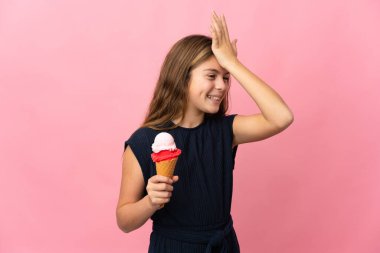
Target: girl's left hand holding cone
[{"x": 159, "y": 189}]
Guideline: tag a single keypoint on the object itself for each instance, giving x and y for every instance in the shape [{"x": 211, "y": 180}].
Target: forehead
[{"x": 211, "y": 64}]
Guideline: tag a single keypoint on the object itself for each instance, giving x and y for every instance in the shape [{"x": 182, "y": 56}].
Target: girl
[{"x": 191, "y": 211}]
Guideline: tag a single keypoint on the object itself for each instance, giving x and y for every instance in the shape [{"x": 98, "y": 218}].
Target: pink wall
[{"x": 75, "y": 78}]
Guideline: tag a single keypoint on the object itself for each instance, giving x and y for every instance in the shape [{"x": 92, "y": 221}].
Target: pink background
[{"x": 75, "y": 81}]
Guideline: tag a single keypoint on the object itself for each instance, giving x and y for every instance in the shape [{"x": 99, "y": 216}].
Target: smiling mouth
[{"x": 214, "y": 98}]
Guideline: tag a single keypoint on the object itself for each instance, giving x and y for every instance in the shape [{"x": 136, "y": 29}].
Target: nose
[{"x": 220, "y": 84}]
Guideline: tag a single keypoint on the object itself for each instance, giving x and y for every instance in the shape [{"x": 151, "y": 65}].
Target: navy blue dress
[{"x": 197, "y": 218}]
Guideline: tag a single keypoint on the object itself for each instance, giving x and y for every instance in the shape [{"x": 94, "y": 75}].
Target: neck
[{"x": 190, "y": 120}]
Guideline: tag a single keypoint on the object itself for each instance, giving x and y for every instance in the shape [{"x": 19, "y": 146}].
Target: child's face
[{"x": 208, "y": 86}]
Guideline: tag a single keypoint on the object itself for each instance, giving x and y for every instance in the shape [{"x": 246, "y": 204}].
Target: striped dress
[{"x": 197, "y": 219}]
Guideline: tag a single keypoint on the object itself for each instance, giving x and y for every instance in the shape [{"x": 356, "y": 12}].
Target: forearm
[
  {"x": 133, "y": 215},
  {"x": 268, "y": 100}
]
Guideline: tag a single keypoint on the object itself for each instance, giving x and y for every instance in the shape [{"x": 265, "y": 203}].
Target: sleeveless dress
[{"x": 197, "y": 219}]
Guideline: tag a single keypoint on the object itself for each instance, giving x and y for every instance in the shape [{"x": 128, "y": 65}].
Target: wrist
[
  {"x": 150, "y": 206},
  {"x": 232, "y": 64}
]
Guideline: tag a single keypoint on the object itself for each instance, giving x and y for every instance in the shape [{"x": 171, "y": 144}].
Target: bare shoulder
[
  {"x": 250, "y": 128},
  {"x": 132, "y": 180}
]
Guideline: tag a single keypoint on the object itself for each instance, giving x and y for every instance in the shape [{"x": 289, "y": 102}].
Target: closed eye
[{"x": 225, "y": 78}]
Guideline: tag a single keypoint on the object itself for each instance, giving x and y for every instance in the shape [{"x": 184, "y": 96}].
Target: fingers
[
  {"x": 216, "y": 30},
  {"x": 161, "y": 179},
  {"x": 161, "y": 194},
  {"x": 175, "y": 179},
  {"x": 226, "y": 34},
  {"x": 221, "y": 37},
  {"x": 220, "y": 28},
  {"x": 234, "y": 46},
  {"x": 215, "y": 35},
  {"x": 160, "y": 183},
  {"x": 160, "y": 189}
]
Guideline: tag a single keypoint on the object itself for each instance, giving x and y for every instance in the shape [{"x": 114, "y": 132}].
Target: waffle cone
[{"x": 166, "y": 168}]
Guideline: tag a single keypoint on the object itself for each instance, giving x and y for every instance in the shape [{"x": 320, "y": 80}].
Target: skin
[
  {"x": 208, "y": 79},
  {"x": 133, "y": 208}
]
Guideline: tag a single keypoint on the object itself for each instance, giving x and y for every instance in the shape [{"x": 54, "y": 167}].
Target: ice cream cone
[
  {"x": 165, "y": 155},
  {"x": 166, "y": 167}
]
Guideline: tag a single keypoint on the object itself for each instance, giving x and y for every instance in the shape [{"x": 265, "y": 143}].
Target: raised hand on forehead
[{"x": 224, "y": 50}]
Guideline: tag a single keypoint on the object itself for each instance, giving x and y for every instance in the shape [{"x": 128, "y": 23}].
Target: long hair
[{"x": 171, "y": 93}]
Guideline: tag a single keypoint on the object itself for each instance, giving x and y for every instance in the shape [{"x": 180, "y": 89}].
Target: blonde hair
[{"x": 171, "y": 92}]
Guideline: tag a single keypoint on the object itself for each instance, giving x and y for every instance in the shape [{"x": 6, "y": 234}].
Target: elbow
[
  {"x": 286, "y": 121},
  {"x": 125, "y": 230},
  {"x": 123, "y": 223},
  {"x": 289, "y": 120},
  {"x": 123, "y": 227}
]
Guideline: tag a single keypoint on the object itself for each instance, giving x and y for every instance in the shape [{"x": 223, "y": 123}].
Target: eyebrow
[{"x": 215, "y": 70}]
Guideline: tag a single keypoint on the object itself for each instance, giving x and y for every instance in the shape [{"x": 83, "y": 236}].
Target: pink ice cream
[{"x": 164, "y": 147}]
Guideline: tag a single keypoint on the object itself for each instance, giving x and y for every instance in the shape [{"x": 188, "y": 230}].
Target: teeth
[{"x": 214, "y": 98}]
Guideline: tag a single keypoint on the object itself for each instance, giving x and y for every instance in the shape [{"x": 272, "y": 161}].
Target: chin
[{"x": 212, "y": 110}]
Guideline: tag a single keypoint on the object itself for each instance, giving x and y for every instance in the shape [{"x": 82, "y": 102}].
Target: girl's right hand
[{"x": 160, "y": 190}]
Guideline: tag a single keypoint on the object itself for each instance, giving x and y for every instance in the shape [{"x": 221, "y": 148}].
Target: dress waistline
[{"x": 213, "y": 238}]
